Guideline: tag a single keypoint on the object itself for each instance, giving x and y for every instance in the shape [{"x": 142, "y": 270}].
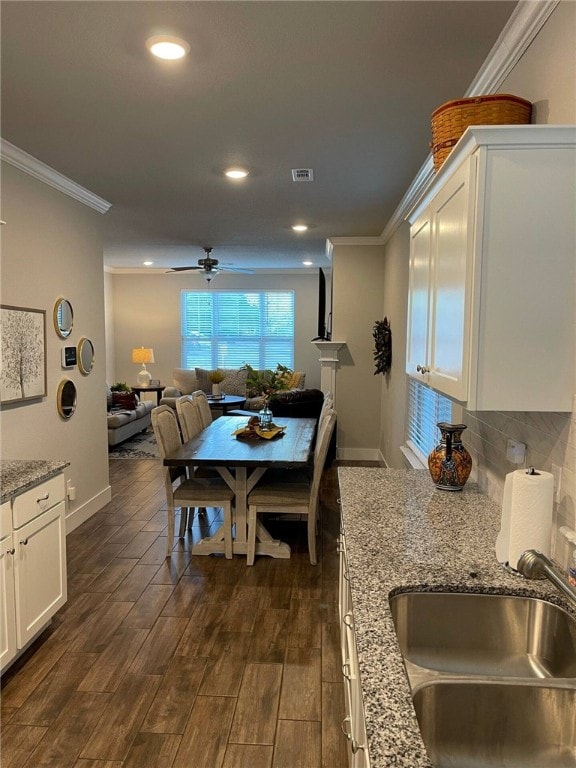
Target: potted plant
[
  {"x": 267, "y": 382},
  {"x": 216, "y": 377}
]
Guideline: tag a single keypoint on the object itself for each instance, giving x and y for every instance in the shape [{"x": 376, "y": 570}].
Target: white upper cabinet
[{"x": 491, "y": 309}]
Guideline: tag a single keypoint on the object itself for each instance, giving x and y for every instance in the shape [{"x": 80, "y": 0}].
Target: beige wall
[
  {"x": 546, "y": 75},
  {"x": 358, "y": 286},
  {"x": 51, "y": 247},
  {"x": 146, "y": 312}
]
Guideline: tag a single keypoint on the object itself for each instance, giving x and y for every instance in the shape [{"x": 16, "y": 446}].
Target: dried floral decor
[{"x": 382, "y": 334}]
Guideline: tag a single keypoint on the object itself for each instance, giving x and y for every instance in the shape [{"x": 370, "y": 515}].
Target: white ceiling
[{"x": 344, "y": 88}]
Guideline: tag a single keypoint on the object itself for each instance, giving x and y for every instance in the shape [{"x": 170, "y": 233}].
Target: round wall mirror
[
  {"x": 66, "y": 398},
  {"x": 63, "y": 318},
  {"x": 85, "y": 355}
]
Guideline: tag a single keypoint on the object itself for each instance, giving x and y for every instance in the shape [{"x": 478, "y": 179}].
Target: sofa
[
  {"x": 187, "y": 381},
  {"x": 126, "y": 416}
]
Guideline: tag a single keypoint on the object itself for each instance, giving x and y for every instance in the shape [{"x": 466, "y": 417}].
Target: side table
[{"x": 157, "y": 390}]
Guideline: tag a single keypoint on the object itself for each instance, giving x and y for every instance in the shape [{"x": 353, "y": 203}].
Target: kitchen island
[{"x": 403, "y": 534}]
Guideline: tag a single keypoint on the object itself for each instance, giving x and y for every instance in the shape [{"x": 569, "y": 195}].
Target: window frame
[
  {"x": 263, "y": 350},
  {"x": 442, "y": 410}
]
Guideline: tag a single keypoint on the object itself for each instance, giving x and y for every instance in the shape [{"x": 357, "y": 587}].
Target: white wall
[
  {"x": 546, "y": 75},
  {"x": 51, "y": 247},
  {"x": 357, "y": 289},
  {"x": 146, "y": 312}
]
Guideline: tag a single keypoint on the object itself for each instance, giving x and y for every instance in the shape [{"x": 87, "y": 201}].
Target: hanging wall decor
[
  {"x": 382, "y": 346},
  {"x": 23, "y": 355}
]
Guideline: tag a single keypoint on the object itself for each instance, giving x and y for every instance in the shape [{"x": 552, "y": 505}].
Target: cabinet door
[
  {"x": 452, "y": 265},
  {"x": 419, "y": 297},
  {"x": 40, "y": 572},
  {"x": 7, "y": 602}
]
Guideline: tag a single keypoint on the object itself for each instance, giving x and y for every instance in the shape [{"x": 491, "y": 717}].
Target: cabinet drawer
[
  {"x": 5, "y": 519},
  {"x": 32, "y": 503}
]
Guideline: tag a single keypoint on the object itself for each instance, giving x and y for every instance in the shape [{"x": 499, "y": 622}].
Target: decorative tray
[{"x": 250, "y": 433}]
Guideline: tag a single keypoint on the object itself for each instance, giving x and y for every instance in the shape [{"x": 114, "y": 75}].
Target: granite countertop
[
  {"x": 402, "y": 534},
  {"x": 18, "y": 475}
]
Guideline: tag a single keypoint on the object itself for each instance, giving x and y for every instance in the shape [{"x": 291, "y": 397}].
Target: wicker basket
[{"x": 451, "y": 119}]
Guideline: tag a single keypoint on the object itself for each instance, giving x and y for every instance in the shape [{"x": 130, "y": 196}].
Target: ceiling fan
[{"x": 210, "y": 267}]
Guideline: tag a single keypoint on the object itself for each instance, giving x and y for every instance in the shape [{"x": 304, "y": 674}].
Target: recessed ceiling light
[
  {"x": 167, "y": 47},
  {"x": 299, "y": 227},
  {"x": 147, "y": 263},
  {"x": 236, "y": 173},
  {"x": 308, "y": 263}
]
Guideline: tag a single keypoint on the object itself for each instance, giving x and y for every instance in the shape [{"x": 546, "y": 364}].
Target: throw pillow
[
  {"x": 126, "y": 400},
  {"x": 234, "y": 382},
  {"x": 185, "y": 380}
]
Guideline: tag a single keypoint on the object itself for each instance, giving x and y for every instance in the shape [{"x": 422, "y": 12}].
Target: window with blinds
[
  {"x": 225, "y": 329},
  {"x": 425, "y": 409}
]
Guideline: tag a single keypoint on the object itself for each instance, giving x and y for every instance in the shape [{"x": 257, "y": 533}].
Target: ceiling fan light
[
  {"x": 169, "y": 48},
  {"x": 236, "y": 173}
]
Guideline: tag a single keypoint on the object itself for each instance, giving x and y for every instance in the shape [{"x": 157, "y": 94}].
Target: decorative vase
[
  {"x": 449, "y": 462},
  {"x": 265, "y": 417},
  {"x": 216, "y": 390}
]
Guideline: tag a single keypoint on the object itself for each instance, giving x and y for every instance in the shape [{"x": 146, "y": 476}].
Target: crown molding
[
  {"x": 331, "y": 242},
  {"x": 526, "y": 21},
  {"x": 15, "y": 156}
]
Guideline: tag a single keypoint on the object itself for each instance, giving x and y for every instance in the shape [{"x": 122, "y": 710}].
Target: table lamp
[{"x": 142, "y": 355}]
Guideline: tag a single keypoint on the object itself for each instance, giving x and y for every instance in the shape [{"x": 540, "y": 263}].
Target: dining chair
[
  {"x": 189, "y": 416},
  {"x": 327, "y": 403},
  {"x": 190, "y": 421},
  {"x": 292, "y": 497},
  {"x": 204, "y": 406},
  {"x": 190, "y": 492}
]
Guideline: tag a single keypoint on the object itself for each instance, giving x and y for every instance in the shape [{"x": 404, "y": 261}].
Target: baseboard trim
[
  {"x": 85, "y": 511},
  {"x": 358, "y": 454}
]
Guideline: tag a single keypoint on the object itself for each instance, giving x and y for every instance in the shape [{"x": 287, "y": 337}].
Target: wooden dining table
[{"x": 241, "y": 463}]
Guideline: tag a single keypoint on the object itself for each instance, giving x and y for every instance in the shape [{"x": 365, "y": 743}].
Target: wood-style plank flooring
[{"x": 192, "y": 662}]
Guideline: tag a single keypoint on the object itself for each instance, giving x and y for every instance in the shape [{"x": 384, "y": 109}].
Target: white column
[{"x": 328, "y": 361}]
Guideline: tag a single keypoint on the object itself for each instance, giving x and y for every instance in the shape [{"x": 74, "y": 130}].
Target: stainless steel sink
[
  {"x": 493, "y": 678},
  {"x": 473, "y": 724},
  {"x": 477, "y": 634}
]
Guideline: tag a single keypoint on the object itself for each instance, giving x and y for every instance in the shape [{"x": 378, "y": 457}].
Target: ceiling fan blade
[
  {"x": 183, "y": 269},
  {"x": 237, "y": 269}
]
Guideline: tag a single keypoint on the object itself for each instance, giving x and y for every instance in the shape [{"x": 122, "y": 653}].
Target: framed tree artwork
[{"x": 22, "y": 354}]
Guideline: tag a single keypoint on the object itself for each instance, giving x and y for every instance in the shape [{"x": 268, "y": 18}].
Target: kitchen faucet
[{"x": 535, "y": 565}]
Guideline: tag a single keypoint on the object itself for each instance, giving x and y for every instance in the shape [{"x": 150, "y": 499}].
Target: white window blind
[
  {"x": 425, "y": 409},
  {"x": 225, "y": 329}
]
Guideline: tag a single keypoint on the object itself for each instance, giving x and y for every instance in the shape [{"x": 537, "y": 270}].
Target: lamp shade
[{"x": 142, "y": 355}]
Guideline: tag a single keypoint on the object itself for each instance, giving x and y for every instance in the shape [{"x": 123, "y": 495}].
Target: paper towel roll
[{"x": 526, "y": 515}]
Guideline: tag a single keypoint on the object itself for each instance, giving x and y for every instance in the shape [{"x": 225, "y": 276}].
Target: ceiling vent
[{"x": 302, "y": 174}]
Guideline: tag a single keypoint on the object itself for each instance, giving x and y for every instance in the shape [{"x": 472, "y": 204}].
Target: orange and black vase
[{"x": 449, "y": 462}]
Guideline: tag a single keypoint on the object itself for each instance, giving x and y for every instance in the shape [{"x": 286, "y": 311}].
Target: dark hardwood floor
[{"x": 192, "y": 662}]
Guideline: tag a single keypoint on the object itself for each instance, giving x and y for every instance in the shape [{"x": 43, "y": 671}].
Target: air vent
[{"x": 302, "y": 174}]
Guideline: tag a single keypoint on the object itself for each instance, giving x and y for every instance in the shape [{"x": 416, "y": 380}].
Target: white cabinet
[
  {"x": 492, "y": 271},
  {"x": 354, "y": 725},
  {"x": 33, "y": 564}
]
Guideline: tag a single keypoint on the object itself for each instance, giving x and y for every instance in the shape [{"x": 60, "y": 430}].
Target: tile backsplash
[{"x": 550, "y": 439}]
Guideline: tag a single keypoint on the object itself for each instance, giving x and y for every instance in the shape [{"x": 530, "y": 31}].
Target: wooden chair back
[
  {"x": 189, "y": 417},
  {"x": 204, "y": 406}
]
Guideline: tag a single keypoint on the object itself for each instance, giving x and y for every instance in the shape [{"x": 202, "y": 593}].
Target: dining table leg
[{"x": 242, "y": 483}]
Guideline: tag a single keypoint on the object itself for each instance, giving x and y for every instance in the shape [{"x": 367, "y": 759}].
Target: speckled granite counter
[
  {"x": 17, "y": 476},
  {"x": 401, "y": 534}
]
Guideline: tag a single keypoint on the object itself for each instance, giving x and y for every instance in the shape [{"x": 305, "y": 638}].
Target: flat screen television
[{"x": 322, "y": 331}]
